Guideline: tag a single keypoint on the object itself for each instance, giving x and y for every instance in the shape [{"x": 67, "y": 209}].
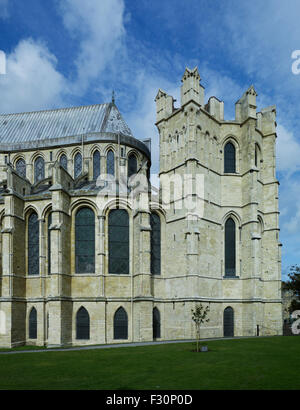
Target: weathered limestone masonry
[
  {"x": 59, "y": 284},
  {"x": 192, "y": 142}
]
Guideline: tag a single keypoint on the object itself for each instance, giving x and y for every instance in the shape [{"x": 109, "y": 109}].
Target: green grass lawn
[{"x": 262, "y": 363}]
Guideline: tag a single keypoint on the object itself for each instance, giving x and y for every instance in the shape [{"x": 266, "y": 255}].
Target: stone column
[
  {"x": 101, "y": 252},
  {"x": 60, "y": 304},
  {"x": 13, "y": 275}
]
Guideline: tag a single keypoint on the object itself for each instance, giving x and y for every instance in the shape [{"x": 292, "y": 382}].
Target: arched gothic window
[
  {"x": 156, "y": 323},
  {"x": 33, "y": 324},
  {"x": 118, "y": 241},
  {"x": 257, "y": 156},
  {"x": 155, "y": 244},
  {"x": 39, "y": 169},
  {"x": 96, "y": 164},
  {"x": 132, "y": 165},
  {"x": 77, "y": 165},
  {"x": 33, "y": 244},
  {"x": 63, "y": 160},
  {"x": 49, "y": 242},
  {"x": 228, "y": 322},
  {"x": 229, "y": 158},
  {"x": 21, "y": 167},
  {"x": 82, "y": 324},
  {"x": 120, "y": 324},
  {"x": 85, "y": 241},
  {"x": 110, "y": 163},
  {"x": 230, "y": 257}
]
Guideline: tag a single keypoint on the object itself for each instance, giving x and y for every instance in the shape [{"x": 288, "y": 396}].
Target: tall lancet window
[
  {"x": 229, "y": 158},
  {"x": 230, "y": 251},
  {"x": 64, "y": 161},
  {"x": 33, "y": 324},
  {"x": 49, "y": 241},
  {"x": 132, "y": 165},
  {"x": 156, "y": 323},
  {"x": 96, "y": 164},
  {"x": 118, "y": 241},
  {"x": 110, "y": 163},
  {"x": 85, "y": 241},
  {"x": 77, "y": 165},
  {"x": 33, "y": 236},
  {"x": 155, "y": 244},
  {"x": 82, "y": 324},
  {"x": 120, "y": 324},
  {"x": 21, "y": 167},
  {"x": 39, "y": 169}
]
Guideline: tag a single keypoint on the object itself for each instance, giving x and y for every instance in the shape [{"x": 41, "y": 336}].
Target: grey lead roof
[
  {"x": 65, "y": 126},
  {"x": 59, "y": 123}
]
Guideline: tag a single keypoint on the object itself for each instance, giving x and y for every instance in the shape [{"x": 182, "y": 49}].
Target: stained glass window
[
  {"x": 33, "y": 324},
  {"x": 156, "y": 323},
  {"x": 82, "y": 324},
  {"x": 96, "y": 164},
  {"x": 77, "y": 165},
  {"x": 230, "y": 247},
  {"x": 118, "y": 241},
  {"x": 63, "y": 160},
  {"x": 110, "y": 163},
  {"x": 132, "y": 165},
  {"x": 155, "y": 244},
  {"x": 33, "y": 245},
  {"x": 21, "y": 167},
  {"x": 85, "y": 241},
  {"x": 120, "y": 324},
  {"x": 49, "y": 242},
  {"x": 229, "y": 158},
  {"x": 39, "y": 169}
]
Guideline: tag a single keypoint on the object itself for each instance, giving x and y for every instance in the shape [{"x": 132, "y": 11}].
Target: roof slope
[{"x": 61, "y": 123}]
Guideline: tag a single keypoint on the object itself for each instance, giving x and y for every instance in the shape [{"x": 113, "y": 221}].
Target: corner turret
[{"x": 245, "y": 107}]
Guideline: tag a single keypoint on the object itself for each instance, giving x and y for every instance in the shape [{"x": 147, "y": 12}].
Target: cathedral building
[{"x": 91, "y": 255}]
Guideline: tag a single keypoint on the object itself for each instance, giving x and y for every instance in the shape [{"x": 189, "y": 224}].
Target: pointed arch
[
  {"x": 110, "y": 162},
  {"x": 85, "y": 240},
  {"x": 49, "y": 223},
  {"x": 120, "y": 324},
  {"x": 230, "y": 247},
  {"x": 228, "y": 322},
  {"x": 33, "y": 246},
  {"x": 260, "y": 226},
  {"x": 257, "y": 155},
  {"x": 39, "y": 169},
  {"x": 118, "y": 241},
  {"x": 132, "y": 165},
  {"x": 82, "y": 324},
  {"x": 155, "y": 243},
  {"x": 156, "y": 323},
  {"x": 77, "y": 165},
  {"x": 21, "y": 167},
  {"x": 96, "y": 164},
  {"x": 32, "y": 325},
  {"x": 63, "y": 160},
  {"x": 229, "y": 158}
]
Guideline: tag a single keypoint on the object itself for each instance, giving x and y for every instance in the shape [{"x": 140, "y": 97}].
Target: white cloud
[
  {"x": 288, "y": 150},
  {"x": 142, "y": 119},
  {"x": 32, "y": 81},
  {"x": 99, "y": 28}
]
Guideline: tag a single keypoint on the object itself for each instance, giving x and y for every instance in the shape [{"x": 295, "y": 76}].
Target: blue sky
[{"x": 73, "y": 52}]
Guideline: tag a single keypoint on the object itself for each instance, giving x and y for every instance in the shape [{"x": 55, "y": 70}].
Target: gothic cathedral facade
[{"x": 91, "y": 255}]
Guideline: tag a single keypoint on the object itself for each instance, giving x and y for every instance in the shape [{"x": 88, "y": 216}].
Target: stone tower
[{"x": 224, "y": 250}]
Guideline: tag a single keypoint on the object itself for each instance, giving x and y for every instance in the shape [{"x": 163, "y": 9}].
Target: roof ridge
[{"x": 54, "y": 109}]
